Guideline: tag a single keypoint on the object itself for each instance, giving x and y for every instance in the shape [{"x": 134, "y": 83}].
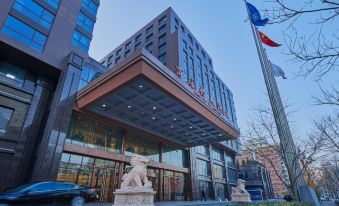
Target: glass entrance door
[{"x": 105, "y": 182}]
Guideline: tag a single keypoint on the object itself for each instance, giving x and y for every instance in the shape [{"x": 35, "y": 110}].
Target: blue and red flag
[{"x": 255, "y": 15}]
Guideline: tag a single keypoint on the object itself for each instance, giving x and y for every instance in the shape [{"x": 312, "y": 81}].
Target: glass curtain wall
[
  {"x": 99, "y": 174},
  {"x": 174, "y": 185},
  {"x": 174, "y": 156},
  {"x": 89, "y": 133},
  {"x": 143, "y": 146}
]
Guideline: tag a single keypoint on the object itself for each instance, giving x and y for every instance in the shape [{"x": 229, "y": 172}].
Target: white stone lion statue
[
  {"x": 137, "y": 175},
  {"x": 240, "y": 188}
]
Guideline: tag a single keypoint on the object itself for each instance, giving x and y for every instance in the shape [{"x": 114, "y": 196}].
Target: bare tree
[
  {"x": 326, "y": 130},
  {"x": 262, "y": 129},
  {"x": 327, "y": 96},
  {"x": 328, "y": 184},
  {"x": 316, "y": 51}
]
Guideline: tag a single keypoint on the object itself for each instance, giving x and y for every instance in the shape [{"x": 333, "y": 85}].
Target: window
[
  {"x": 217, "y": 154},
  {"x": 142, "y": 146},
  {"x": 203, "y": 168},
  {"x": 149, "y": 47},
  {"x": 191, "y": 69},
  {"x": 127, "y": 53},
  {"x": 219, "y": 171},
  {"x": 128, "y": 45},
  {"x": 117, "y": 60},
  {"x": 88, "y": 74},
  {"x": 24, "y": 33},
  {"x": 218, "y": 91},
  {"x": 174, "y": 156},
  {"x": 184, "y": 65},
  {"x": 212, "y": 87},
  {"x": 162, "y": 58},
  {"x": 203, "y": 149},
  {"x": 35, "y": 12},
  {"x": 12, "y": 74},
  {"x": 162, "y": 49},
  {"x": 162, "y": 29},
  {"x": 190, "y": 38},
  {"x": 53, "y": 3},
  {"x": 162, "y": 20},
  {"x": 206, "y": 83},
  {"x": 184, "y": 44},
  {"x": 203, "y": 54},
  {"x": 197, "y": 46},
  {"x": 138, "y": 38},
  {"x": 230, "y": 159},
  {"x": 85, "y": 22},
  {"x": 191, "y": 51},
  {"x": 232, "y": 175},
  {"x": 176, "y": 21},
  {"x": 103, "y": 62},
  {"x": 162, "y": 39},
  {"x": 137, "y": 46},
  {"x": 109, "y": 60},
  {"x": 93, "y": 134},
  {"x": 199, "y": 77},
  {"x": 90, "y": 7},
  {"x": 118, "y": 52},
  {"x": 182, "y": 28},
  {"x": 149, "y": 37},
  {"x": 149, "y": 30},
  {"x": 81, "y": 41},
  {"x": 5, "y": 117},
  {"x": 210, "y": 62}
]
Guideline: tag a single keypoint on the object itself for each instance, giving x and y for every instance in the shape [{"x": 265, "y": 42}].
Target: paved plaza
[{"x": 173, "y": 203}]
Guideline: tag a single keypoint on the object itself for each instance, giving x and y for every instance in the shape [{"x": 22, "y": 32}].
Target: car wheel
[{"x": 78, "y": 201}]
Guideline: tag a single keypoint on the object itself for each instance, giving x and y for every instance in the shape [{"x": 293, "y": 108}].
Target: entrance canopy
[{"x": 142, "y": 93}]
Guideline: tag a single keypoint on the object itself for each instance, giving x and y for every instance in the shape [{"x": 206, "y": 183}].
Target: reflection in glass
[
  {"x": 174, "y": 156},
  {"x": 89, "y": 133},
  {"x": 174, "y": 185},
  {"x": 142, "y": 146}
]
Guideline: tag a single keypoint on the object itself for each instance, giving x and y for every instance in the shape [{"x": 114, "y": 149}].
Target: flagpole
[{"x": 277, "y": 108}]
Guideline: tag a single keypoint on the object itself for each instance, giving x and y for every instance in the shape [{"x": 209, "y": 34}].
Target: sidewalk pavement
[{"x": 172, "y": 203}]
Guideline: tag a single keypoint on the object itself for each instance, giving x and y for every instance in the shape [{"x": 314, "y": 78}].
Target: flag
[
  {"x": 255, "y": 15},
  {"x": 267, "y": 40},
  {"x": 278, "y": 71}
]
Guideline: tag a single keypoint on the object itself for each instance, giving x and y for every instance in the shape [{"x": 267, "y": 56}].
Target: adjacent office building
[
  {"x": 43, "y": 49},
  {"x": 258, "y": 180},
  {"x": 65, "y": 116}
]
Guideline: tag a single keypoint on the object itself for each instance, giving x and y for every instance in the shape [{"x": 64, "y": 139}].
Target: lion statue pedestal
[
  {"x": 135, "y": 188},
  {"x": 239, "y": 193}
]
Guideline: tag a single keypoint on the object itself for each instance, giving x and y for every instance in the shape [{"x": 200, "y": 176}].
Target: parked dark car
[{"x": 48, "y": 193}]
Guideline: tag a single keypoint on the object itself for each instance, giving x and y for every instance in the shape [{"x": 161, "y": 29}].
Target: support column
[{"x": 52, "y": 138}]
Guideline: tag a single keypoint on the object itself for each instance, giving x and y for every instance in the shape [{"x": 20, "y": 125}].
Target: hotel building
[{"x": 64, "y": 116}]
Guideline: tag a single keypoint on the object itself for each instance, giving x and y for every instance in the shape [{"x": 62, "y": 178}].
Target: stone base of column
[{"x": 134, "y": 197}]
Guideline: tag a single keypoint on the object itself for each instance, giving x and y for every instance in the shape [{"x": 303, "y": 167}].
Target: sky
[{"x": 220, "y": 27}]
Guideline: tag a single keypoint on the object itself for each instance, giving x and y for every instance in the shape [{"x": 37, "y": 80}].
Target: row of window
[
  {"x": 148, "y": 46},
  {"x": 201, "y": 78},
  {"x": 79, "y": 39},
  {"x": 25, "y": 34}
]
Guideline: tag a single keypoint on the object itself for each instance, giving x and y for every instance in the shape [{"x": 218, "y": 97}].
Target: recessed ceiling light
[
  {"x": 220, "y": 135},
  {"x": 191, "y": 127},
  {"x": 203, "y": 134},
  {"x": 140, "y": 86},
  {"x": 153, "y": 118},
  {"x": 172, "y": 126},
  {"x": 186, "y": 134},
  {"x": 129, "y": 106},
  {"x": 154, "y": 108},
  {"x": 174, "y": 119},
  {"x": 104, "y": 105}
]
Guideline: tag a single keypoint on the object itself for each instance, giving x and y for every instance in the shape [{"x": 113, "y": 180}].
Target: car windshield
[{"x": 22, "y": 187}]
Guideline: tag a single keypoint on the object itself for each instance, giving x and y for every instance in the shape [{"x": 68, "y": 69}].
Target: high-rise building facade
[{"x": 43, "y": 47}]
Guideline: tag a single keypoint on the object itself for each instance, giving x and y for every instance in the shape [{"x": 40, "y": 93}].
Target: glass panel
[
  {"x": 142, "y": 146},
  {"x": 184, "y": 65},
  {"x": 174, "y": 156},
  {"x": 191, "y": 69},
  {"x": 199, "y": 79},
  {"x": 24, "y": 33},
  {"x": 217, "y": 154},
  {"x": 85, "y": 22},
  {"x": 90, "y": 6},
  {"x": 35, "y": 12},
  {"x": 14, "y": 75},
  {"x": 53, "y": 3},
  {"x": 93, "y": 134},
  {"x": 207, "y": 188},
  {"x": 203, "y": 167},
  {"x": 219, "y": 171},
  {"x": 81, "y": 41},
  {"x": 5, "y": 117},
  {"x": 174, "y": 185},
  {"x": 203, "y": 149}
]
